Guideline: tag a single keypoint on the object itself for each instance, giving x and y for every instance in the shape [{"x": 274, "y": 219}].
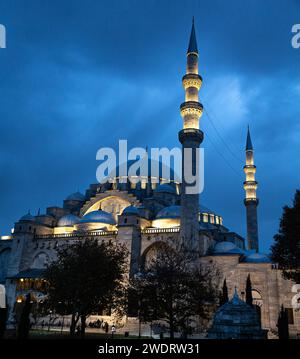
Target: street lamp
[
  {"x": 113, "y": 329},
  {"x": 50, "y": 312}
]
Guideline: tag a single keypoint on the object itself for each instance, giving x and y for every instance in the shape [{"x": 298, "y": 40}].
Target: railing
[
  {"x": 77, "y": 235},
  {"x": 160, "y": 230}
]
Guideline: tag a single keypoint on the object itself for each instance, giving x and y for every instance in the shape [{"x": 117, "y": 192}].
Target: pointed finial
[
  {"x": 235, "y": 298},
  {"x": 249, "y": 146},
  {"x": 193, "y": 42}
]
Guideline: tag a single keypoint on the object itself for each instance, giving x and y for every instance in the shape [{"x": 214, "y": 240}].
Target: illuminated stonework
[
  {"x": 251, "y": 201},
  {"x": 191, "y": 110},
  {"x": 192, "y": 80}
]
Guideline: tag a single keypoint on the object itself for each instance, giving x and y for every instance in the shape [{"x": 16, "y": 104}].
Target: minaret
[
  {"x": 251, "y": 202},
  {"x": 190, "y": 137}
]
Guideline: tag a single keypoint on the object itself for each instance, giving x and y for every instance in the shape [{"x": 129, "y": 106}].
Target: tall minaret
[
  {"x": 251, "y": 202},
  {"x": 190, "y": 137}
]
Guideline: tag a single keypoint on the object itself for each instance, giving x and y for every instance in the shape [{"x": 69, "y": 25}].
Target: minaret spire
[
  {"x": 190, "y": 137},
  {"x": 249, "y": 146},
  {"x": 193, "y": 42},
  {"x": 251, "y": 201}
]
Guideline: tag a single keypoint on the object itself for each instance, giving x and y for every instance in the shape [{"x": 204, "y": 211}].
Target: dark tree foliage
[
  {"x": 24, "y": 323},
  {"x": 283, "y": 324},
  {"x": 3, "y": 318},
  {"x": 286, "y": 250},
  {"x": 249, "y": 298},
  {"x": 86, "y": 277},
  {"x": 224, "y": 294},
  {"x": 175, "y": 289}
]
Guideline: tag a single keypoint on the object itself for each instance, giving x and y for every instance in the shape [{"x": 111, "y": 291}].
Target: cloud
[{"x": 79, "y": 75}]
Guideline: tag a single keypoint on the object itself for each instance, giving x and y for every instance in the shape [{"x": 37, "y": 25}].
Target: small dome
[
  {"x": 165, "y": 188},
  {"x": 27, "y": 217},
  {"x": 98, "y": 216},
  {"x": 68, "y": 220},
  {"x": 257, "y": 258},
  {"x": 77, "y": 196},
  {"x": 236, "y": 320},
  {"x": 227, "y": 248},
  {"x": 131, "y": 210},
  {"x": 169, "y": 212}
]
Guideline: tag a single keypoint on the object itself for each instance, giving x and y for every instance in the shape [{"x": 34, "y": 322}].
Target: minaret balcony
[
  {"x": 249, "y": 169},
  {"x": 250, "y": 185},
  {"x": 251, "y": 200},
  {"x": 190, "y": 134},
  {"x": 192, "y": 80},
  {"x": 191, "y": 108}
]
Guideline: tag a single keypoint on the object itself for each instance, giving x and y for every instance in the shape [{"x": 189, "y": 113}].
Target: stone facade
[{"x": 143, "y": 217}]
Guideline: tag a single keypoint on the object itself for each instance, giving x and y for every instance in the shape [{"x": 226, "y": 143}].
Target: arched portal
[
  {"x": 257, "y": 301},
  {"x": 151, "y": 253}
]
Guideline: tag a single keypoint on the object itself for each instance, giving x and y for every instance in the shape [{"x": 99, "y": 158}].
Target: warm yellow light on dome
[
  {"x": 166, "y": 223},
  {"x": 63, "y": 230}
]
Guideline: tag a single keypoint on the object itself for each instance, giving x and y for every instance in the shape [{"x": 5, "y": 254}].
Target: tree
[
  {"x": 24, "y": 323},
  {"x": 175, "y": 289},
  {"x": 224, "y": 294},
  {"x": 286, "y": 250},
  {"x": 283, "y": 324},
  {"x": 86, "y": 277},
  {"x": 249, "y": 298},
  {"x": 3, "y": 318}
]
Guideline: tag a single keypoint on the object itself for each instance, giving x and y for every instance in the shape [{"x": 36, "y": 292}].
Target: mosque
[{"x": 144, "y": 215}]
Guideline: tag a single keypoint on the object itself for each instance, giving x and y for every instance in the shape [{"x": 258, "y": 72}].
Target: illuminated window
[
  {"x": 212, "y": 218},
  {"x": 143, "y": 185},
  {"x": 217, "y": 220},
  {"x": 205, "y": 217}
]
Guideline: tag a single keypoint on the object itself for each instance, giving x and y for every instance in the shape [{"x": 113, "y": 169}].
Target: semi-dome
[
  {"x": 68, "y": 220},
  {"x": 257, "y": 258},
  {"x": 169, "y": 212},
  {"x": 98, "y": 216},
  {"x": 227, "y": 248},
  {"x": 131, "y": 210},
  {"x": 165, "y": 188},
  {"x": 27, "y": 217},
  {"x": 77, "y": 196}
]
